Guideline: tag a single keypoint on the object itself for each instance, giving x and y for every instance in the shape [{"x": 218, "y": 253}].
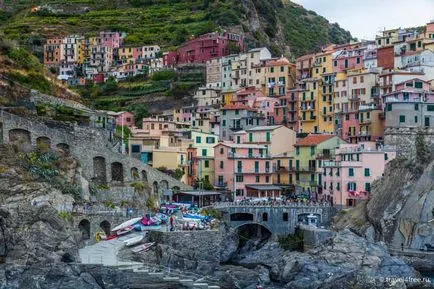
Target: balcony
[
  {"x": 353, "y": 98},
  {"x": 232, "y": 155},
  {"x": 313, "y": 118},
  {"x": 254, "y": 171},
  {"x": 304, "y": 169},
  {"x": 235, "y": 128},
  {"x": 307, "y": 108},
  {"x": 220, "y": 184},
  {"x": 365, "y": 122}
]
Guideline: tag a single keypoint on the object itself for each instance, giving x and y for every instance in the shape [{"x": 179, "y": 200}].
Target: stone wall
[
  {"x": 280, "y": 220},
  {"x": 404, "y": 139},
  {"x": 88, "y": 145},
  {"x": 313, "y": 236}
]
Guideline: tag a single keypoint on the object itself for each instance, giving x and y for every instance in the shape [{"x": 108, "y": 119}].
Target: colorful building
[
  {"x": 309, "y": 152},
  {"x": 208, "y": 46},
  {"x": 347, "y": 178},
  {"x": 245, "y": 170}
]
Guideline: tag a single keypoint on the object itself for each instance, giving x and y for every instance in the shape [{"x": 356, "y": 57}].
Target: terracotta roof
[
  {"x": 276, "y": 62},
  {"x": 314, "y": 139}
]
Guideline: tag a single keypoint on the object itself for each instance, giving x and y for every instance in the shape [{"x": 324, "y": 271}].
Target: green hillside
[{"x": 285, "y": 28}]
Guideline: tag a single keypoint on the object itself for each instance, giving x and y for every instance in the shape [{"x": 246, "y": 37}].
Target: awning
[{"x": 264, "y": 187}]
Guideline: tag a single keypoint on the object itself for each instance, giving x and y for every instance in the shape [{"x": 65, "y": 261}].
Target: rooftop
[
  {"x": 264, "y": 187},
  {"x": 264, "y": 128},
  {"x": 314, "y": 139}
]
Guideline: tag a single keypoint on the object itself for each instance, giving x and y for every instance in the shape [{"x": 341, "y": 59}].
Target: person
[{"x": 171, "y": 222}]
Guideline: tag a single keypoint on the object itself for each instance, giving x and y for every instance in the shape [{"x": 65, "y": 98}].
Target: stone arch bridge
[
  {"x": 98, "y": 156},
  {"x": 278, "y": 219}
]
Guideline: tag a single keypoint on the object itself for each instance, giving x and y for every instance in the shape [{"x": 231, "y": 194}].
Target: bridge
[
  {"x": 281, "y": 219},
  {"x": 100, "y": 161}
]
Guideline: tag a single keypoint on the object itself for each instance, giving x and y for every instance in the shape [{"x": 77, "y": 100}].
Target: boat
[
  {"x": 194, "y": 216},
  {"x": 126, "y": 224},
  {"x": 141, "y": 228},
  {"x": 125, "y": 230},
  {"x": 111, "y": 237},
  {"x": 145, "y": 247},
  {"x": 134, "y": 241},
  {"x": 164, "y": 218}
]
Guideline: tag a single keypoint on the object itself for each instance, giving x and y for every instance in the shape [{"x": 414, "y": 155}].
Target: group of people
[{"x": 278, "y": 202}]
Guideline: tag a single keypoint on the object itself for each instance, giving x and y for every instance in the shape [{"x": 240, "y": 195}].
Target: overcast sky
[{"x": 364, "y": 18}]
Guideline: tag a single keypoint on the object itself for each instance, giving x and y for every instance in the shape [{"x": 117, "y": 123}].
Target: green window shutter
[
  {"x": 338, "y": 186},
  {"x": 389, "y": 107},
  {"x": 402, "y": 118},
  {"x": 198, "y": 139},
  {"x": 386, "y": 157},
  {"x": 207, "y": 164},
  {"x": 267, "y": 136},
  {"x": 367, "y": 172},
  {"x": 250, "y": 137},
  {"x": 204, "y": 152},
  {"x": 368, "y": 187},
  {"x": 351, "y": 172},
  {"x": 250, "y": 152}
]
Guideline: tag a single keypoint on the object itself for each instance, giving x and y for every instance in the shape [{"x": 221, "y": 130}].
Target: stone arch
[
  {"x": 164, "y": 185},
  {"x": 105, "y": 226},
  {"x": 135, "y": 173},
  {"x": 259, "y": 229},
  {"x": 63, "y": 147},
  {"x": 144, "y": 176},
  {"x": 20, "y": 137},
  {"x": 242, "y": 217},
  {"x": 43, "y": 143},
  {"x": 84, "y": 227},
  {"x": 117, "y": 172},
  {"x": 99, "y": 170},
  {"x": 155, "y": 187},
  {"x": 265, "y": 217}
]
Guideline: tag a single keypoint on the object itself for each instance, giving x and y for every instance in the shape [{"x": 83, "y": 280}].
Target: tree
[
  {"x": 204, "y": 184},
  {"x": 110, "y": 86},
  {"x": 127, "y": 133},
  {"x": 178, "y": 173},
  {"x": 140, "y": 110}
]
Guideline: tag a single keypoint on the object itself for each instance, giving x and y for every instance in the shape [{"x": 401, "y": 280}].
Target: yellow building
[
  {"x": 171, "y": 158},
  {"x": 307, "y": 106},
  {"x": 279, "y": 77},
  {"x": 126, "y": 54}
]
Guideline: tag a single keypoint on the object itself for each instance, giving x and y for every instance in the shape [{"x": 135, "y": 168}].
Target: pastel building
[
  {"x": 277, "y": 138},
  {"x": 245, "y": 170},
  {"x": 283, "y": 165},
  {"x": 286, "y": 111},
  {"x": 53, "y": 51},
  {"x": 123, "y": 118},
  {"x": 279, "y": 75},
  {"x": 309, "y": 152},
  {"x": 347, "y": 178}
]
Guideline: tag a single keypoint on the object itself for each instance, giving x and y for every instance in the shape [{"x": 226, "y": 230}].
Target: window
[
  {"x": 135, "y": 148},
  {"x": 267, "y": 179},
  {"x": 312, "y": 150},
  {"x": 257, "y": 179},
  {"x": 204, "y": 152},
  {"x": 418, "y": 84},
  {"x": 239, "y": 179},
  {"x": 297, "y": 151},
  {"x": 256, "y": 167},
  {"x": 206, "y": 164},
  {"x": 351, "y": 186},
  {"x": 237, "y": 112},
  {"x": 351, "y": 172},
  {"x": 210, "y": 140},
  {"x": 402, "y": 118},
  {"x": 285, "y": 217},
  {"x": 430, "y": 107},
  {"x": 368, "y": 187},
  {"x": 338, "y": 186},
  {"x": 224, "y": 122},
  {"x": 415, "y": 119},
  {"x": 282, "y": 68},
  {"x": 358, "y": 60},
  {"x": 222, "y": 151},
  {"x": 264, "y": 217},
  {"x": 267, "y": 136},
  {"x": 250, "y": 137},
  {"x": 386, "y": 157},
  {"x": 367, "y": 172},
  {"x": 222, "y": 164}
]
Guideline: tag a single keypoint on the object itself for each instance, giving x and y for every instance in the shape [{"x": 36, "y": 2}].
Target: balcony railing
[
  {"x": 221, "y": 184},
  {"x": 235, "y": 128},
  {"x": 254, "y": 171},
  {"x": 232, "y": 155}
]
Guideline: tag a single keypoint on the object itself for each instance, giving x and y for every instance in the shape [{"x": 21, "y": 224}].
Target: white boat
[
  {"x": 134, "y": 241},
  {"x": 125, "y": 230},
  {"x": 126, "y": 224},
  {"x": 144, "y": 247}
]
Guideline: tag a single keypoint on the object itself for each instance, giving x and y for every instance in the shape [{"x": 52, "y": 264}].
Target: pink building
[
  {"x": 123, "y": 117},
  {"x": 245, "y": 170},
  {"x": 110, "y": 39},
  {"x": 350, "y": 57},
  {"x": 349, "y": 126},
  {"x": 170, "y": 59},
  {"x": 137, "y": 53},
  {"x": 208, "y": 46},
  {"x": 347, "y": 179}
]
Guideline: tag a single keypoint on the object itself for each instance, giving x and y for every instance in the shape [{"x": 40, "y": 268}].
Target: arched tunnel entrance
[
  {"x": 252, "y": 236},
  {"x": 84, "y": 227},
  {"x": 105, "y": 226}
]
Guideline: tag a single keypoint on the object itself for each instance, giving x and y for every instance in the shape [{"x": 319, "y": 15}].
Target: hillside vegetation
[{"x": 285, "y": 28}]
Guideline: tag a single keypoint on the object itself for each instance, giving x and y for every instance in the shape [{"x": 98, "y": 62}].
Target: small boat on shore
[
  {"x": 143, "y": 248},
  {"x": 134, "y": 241},
  {"x": 125, "y": 230},
  {"x": 126, "y": 224}
]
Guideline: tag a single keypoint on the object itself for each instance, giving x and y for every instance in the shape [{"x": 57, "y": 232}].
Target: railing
[
  {"x": 246, "y": 204},
  {"x": 237, "y": 156},
  {"x": 221, "y": 184}
]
